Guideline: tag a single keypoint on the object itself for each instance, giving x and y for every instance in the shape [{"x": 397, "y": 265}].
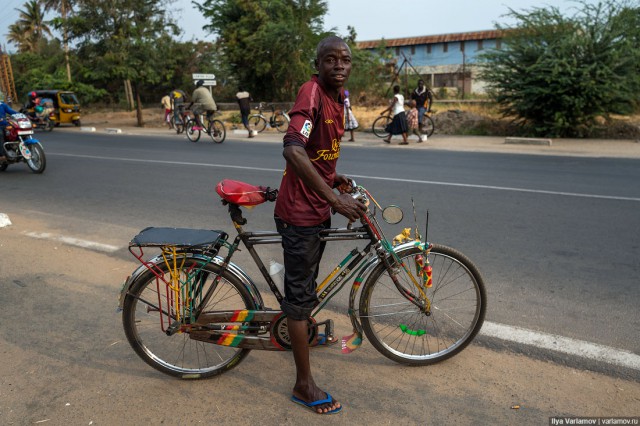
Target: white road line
[
  {"x": 73, "y": 241},
  {"x": 424, "y": 182},
  {"x": 562, "y": 344}
]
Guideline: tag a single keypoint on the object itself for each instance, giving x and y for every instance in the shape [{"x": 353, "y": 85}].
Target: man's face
[
  {"x": 420, "y": 84},
  {"x": 334, "y": 64}
]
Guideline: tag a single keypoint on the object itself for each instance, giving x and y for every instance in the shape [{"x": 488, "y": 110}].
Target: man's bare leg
[{"x": 305, "y": 387}]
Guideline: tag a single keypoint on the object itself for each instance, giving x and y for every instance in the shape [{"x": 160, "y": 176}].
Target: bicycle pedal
[{"x": 328, "y": 327}]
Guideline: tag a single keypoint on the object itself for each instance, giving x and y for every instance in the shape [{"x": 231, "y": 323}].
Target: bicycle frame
[{"x": 182, "y": 311}]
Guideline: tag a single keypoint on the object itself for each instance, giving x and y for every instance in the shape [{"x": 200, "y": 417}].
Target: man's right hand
[{"x": 348, "y": 207}]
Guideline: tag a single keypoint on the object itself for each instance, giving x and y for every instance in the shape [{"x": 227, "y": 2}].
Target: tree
[
  {"x": 30, "y": 28},
  {"x": 269, "y": 45},
  {"x": 122, "y": 40},
  {"x": 557, "y": 74},
  {"x": 369, "y": 80},
  {"x": 64, "y": 7}
]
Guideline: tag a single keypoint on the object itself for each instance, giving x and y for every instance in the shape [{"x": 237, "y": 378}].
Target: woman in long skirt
[{"x": 398, "y": 125}]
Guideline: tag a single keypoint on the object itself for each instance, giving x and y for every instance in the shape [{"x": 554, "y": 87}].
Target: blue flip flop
[{"x": 312, "y": 405}]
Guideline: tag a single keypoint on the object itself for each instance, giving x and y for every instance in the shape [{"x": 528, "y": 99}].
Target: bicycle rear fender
[{"x": 234, "y": 269}]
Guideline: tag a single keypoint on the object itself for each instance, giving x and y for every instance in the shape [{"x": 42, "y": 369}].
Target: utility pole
[{"x": 7, "y": 84}]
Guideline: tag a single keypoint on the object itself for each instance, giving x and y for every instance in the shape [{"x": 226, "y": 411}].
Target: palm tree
[
  {"x": 31, "y": 22},
  {"x": 18, "y": 36},
  {"x": 64, "y": 7}
]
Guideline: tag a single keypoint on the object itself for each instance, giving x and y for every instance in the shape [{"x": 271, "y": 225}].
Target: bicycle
[
  {"x": 212, "y": 127},
  {"x": 191, "y": 313},
  {"x": 180, "y": 119},
  {"x": 427, "y": 127},
  {"x": 279, "y": 119}
]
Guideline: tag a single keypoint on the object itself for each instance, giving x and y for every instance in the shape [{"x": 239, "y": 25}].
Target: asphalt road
[{"x": 557, "y": 239}]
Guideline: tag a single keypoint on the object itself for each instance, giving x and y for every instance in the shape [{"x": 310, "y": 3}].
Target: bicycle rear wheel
[
  {"x": 380, "y": 125},
  {"x": 177, "y": 354},
  {"x": 281, "y": 122},
  {"x": 428, "y": 126},
  {"x": 178, "y": 125},
  {"x": 257, "y": 123},
  {"x": 401, "y": 331},
  {"x": 217, "y": 131},
  {"x": 191, "y": 130}
]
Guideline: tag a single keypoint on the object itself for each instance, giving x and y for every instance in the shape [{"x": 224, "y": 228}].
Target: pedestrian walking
[
  {"x": 350, "y": 121},
  {"x": 398, "y": 125},
  {"x": 244, "y": 102}
]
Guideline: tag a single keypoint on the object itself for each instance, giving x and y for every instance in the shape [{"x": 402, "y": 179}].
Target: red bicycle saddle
[{"x": 244, "y": 194}]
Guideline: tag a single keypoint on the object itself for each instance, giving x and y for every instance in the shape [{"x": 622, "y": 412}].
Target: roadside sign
[
  {"x": 206, "y": 82},
  {"x": 204, "y": 77}
]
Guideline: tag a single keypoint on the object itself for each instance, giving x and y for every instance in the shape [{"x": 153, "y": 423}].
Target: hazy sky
[{"x": 372, "y": 19}]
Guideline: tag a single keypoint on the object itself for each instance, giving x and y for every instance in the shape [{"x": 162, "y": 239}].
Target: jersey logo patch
[
  {"x": 329, "y": 121},
  {"x": 306, "y": 129}
]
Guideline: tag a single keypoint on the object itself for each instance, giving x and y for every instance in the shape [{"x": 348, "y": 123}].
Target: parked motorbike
[{"x": 19, "y": 146}]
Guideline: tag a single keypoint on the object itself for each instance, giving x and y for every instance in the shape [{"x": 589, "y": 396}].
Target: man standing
[
  {"x": 244, "y": 100},
  {"x": 306, "y": 198},
  {"x": 203, "y": 102},
  {"x": 166, "y": 104},
  {"x": 423, "y": 97}
]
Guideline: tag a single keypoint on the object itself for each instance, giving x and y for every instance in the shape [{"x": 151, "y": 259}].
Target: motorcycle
[
  {"x": 19, "y": 146},
  {"x": 41, "y": 119},
  {"x": 45, "y": 122}
]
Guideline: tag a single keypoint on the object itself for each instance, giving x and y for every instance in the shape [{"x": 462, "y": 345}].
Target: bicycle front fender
[
  {"x": 364, "y": 273},
  {"x": 234, "y": 269}
]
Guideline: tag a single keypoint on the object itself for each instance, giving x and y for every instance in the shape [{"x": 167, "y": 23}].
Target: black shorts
[{"x": 302, "y": 254}]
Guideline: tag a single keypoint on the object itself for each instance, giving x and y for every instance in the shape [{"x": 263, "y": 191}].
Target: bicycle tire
[
  {"x": 379, "y": 126},
  {"x": 178, "y": 355},
  {"x": 458, "y": 305},
  {"x": 178, "y": 125},
  {"x": 192, "y": 134},
  {"x": 281, "y": 122},
  {"x": 217, "y": 131},
  {"x": 257, "y": 123},
  {"x": 428, "y": 126}
]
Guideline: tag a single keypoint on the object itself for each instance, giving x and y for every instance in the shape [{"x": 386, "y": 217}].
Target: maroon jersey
[{"x": 317, "y": 125}]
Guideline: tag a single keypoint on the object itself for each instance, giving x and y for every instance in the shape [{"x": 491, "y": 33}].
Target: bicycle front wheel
[
  {"x": 281, "y": 122},
  {"x": 401, "y": 331},
  {"x": 380, "y": 125},
  {"x": 217, "y": 131},
  {"x": 427, "y": 126},
  {"x": 191, "y": 129},
  {"x": 145, "y": 309},
  {"x": 257, "y": 123}
]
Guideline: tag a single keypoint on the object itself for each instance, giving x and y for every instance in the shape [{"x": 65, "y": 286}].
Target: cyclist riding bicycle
[{"x": 202, "y": 102}]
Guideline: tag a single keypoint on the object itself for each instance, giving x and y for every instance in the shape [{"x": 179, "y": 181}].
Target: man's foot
[
  {"x": 387, "y": 140},
  {"x": 404, "y": 143},
  {"x": 323, "y": 405},
  {"x": 351, "y": 140}
]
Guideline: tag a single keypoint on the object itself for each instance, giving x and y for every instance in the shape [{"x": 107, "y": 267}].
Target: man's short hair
[{"x": 328, "y": 40}]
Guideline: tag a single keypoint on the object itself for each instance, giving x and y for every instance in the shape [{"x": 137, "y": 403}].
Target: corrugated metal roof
[{"x": 440, "y": 38}]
